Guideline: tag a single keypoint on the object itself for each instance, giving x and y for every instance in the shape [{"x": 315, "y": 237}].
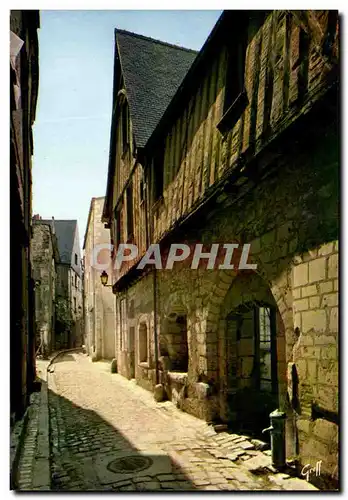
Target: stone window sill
[
  {"x": 178, "y": 377},
  {"x": 233, "y": 113}
]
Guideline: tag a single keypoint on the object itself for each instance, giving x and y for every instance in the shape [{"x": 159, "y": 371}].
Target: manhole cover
[{"x": 130, "y": 464}]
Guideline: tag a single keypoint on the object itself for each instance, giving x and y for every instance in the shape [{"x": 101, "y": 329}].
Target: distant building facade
[
  {"x": 45, "y": 256},
  {"x": 99, "y": 301},
  {"x": 24, "y": 73},
  {"x": 69, "y": 313}
]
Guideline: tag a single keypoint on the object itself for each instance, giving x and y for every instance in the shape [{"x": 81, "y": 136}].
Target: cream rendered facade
[{"x": 99, "y": 301}]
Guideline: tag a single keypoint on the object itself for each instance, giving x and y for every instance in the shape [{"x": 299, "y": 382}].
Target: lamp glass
[{"x": 104, "y": 278}]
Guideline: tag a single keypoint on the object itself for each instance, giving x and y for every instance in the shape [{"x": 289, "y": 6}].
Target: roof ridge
[
  {"x": 149, "y": 39},
  {"x": 62, "y": 220}
]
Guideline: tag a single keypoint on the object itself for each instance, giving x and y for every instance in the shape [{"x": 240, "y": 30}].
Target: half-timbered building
[{"x": 245, "y": 152}]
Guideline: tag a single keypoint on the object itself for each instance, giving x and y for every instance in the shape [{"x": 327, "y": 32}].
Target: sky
[{"x": 73, "y": 117}]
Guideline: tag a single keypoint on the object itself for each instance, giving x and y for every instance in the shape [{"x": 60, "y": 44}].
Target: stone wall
[
  {"x": 290, "y": 217},
  {"x": 45, "y": 276},
  {"x": 23, "y": 97},
  {"x": 315, "y": 354},
  {"x": 140, "y": 311}
]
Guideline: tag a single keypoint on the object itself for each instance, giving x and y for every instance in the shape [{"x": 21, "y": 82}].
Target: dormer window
[{"x": 234, "y": 84}]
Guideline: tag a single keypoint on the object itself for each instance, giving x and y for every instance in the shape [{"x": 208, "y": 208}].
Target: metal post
[{"x": 277, "y": 429}]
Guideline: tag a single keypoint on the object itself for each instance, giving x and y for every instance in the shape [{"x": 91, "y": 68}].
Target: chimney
[{"x": 53, "y": 228}]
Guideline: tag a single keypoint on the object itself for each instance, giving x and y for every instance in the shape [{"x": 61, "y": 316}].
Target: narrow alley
[{"x": 99, "y": 419}]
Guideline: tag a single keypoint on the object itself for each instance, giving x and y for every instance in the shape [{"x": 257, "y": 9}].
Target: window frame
[
  {"x": 141, "y": 361},
  {"x": 272, "y": 343},
  {"x": 158, "y": 175},
  {"x": 235, "y": 95},
  {"x": 130, "y": 214},
  {"x": 237, "y": 315}
]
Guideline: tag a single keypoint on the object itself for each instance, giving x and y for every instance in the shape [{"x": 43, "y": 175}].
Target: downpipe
[{"x": 149, "y": 229}]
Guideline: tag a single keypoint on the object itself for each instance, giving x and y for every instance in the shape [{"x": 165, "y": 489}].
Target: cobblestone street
[{"x": 98, "y": 419}]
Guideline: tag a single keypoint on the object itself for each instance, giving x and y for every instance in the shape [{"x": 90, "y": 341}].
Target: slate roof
[
  {"x": 227, "y": 23},
  {"x": 152, "y": 71},
  {"x": 65, "y": 233}
]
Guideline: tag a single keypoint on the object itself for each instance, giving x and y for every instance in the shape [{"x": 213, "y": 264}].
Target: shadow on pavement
[{"x": 90, "y": 454}]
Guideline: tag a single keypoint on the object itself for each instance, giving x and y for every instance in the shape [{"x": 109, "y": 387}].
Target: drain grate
[{"x": 129, "y": 464}]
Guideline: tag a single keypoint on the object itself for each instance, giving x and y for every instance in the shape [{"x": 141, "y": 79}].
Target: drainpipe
[
  {"x": 147, "y": 229},
  {"x": 155, "y": 322}
]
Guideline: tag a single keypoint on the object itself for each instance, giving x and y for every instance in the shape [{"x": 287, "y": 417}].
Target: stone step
[{"x": 258, "y": 463}]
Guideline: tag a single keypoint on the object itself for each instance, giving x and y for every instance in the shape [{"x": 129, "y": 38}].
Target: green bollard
[{"x": 277, "y": 429}]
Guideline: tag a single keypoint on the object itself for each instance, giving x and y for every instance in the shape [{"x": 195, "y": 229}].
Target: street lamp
[{"x": 104, "y": 278}]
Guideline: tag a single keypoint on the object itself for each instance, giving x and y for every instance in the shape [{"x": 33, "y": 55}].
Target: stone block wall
[
  {"x": 45, "y": 276},
  {"x": 202, "y": 391},
  {"x": 140, "y": 311},
  {"x": 315, "y": 354}
]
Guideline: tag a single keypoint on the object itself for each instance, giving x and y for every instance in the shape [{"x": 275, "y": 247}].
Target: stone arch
[
  {"x": 279, "y": 292},
  {"x": 280, "y": 288},
  {"x": 173, "y": 341}
]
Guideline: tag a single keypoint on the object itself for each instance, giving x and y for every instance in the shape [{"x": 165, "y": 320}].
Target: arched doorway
[
  {"x": 251, "y": 321},
  {"x": 173, "y": 341}
]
